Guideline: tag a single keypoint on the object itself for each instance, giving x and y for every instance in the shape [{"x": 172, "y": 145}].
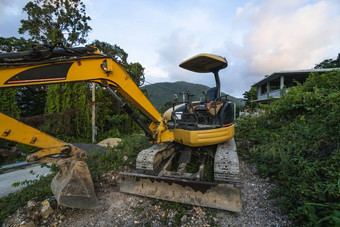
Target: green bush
[
  {"x": 112, "y": 158},
  {"x": 296, "y": 142}
]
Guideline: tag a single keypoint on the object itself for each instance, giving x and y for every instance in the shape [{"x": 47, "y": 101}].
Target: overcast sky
[{"x": 257, "y": 37}]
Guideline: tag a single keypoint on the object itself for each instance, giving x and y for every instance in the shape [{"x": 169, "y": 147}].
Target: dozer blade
[
  {"x": 208, "y": 194},
  {"x": 73, "y": 185}
]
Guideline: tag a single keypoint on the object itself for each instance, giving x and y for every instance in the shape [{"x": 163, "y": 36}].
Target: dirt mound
[{"x": 111, "y": 142}]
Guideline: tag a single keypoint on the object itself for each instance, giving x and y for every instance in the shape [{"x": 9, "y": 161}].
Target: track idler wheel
[{"x": 73, "y": 185}]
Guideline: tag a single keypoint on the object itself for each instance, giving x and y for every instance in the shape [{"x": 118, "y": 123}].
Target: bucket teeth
[{"x": 73, "y": 185}]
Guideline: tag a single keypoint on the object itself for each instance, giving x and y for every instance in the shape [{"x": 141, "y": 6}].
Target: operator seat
[
  {"x": 210, "y": 104},
  {"x": 211, "y": 94}
]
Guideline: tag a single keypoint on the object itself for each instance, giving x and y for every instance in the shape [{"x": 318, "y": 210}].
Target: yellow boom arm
[{"x": 93, "y": 68}]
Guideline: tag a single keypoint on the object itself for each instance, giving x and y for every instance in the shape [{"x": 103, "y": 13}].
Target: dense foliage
[
  {"x": 112, "y": 158},
  {"x": 329, "y": 63},
  {"x": 23, "y": 101},
  {"x": 9, "y": 103},
  {"x": 56, "y": 22},
  {"x": 296, "y": 142},
  {"x": 13, "y": 44},
  {"x": 250, "y": 96},
  {"x": 70, "y": 96}
]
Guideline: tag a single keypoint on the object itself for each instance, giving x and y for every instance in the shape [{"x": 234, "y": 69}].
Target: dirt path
[{"x": 118, "y": 209}]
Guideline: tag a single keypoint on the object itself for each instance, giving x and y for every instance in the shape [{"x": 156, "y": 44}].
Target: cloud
[
  {"x": 257, "y": 37},
  {"x": 286, "y": 36},
  {"x": 173, "y": 50},
  {"x": 10, "y": 16},
  {"x": 280, "y": 35}
]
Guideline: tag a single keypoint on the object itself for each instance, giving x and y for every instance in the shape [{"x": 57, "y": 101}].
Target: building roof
[{"x": 292, "y": 73}]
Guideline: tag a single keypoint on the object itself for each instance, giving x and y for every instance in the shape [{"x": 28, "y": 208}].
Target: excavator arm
[
  {"x": 49, "y": 67},
  {"x": 97, "y": 68}
]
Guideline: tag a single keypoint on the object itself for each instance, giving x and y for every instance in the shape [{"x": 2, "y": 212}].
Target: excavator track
[
  {"x": 226, "y": 165},
  {"x": 149, "y": 160},
  {"x": 155, "y": 179}
]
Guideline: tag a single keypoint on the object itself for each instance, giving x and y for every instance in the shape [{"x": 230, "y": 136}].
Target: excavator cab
[{"x": 195, "y": 123}]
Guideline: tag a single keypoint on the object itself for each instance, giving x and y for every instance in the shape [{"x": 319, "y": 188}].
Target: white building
[{"x": 274, "y": 85}]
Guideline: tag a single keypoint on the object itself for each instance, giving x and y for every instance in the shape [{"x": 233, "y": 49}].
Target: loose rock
[{"x": 46, "y": 209}]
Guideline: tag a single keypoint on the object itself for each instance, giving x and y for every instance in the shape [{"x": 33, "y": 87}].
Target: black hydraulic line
[
  {"x": 131, "y": 113},
  {"x": 38, "y": 55}
]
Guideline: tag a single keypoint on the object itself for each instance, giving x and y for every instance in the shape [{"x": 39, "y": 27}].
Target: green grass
[
  {"x": 112, "y": 158},
  {"x": 40, "y": 189}
]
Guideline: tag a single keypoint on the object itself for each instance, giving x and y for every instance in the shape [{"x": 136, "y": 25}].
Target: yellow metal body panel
[
  {"x": 204, "y": 137},
  {"x": 102, "y": 70},
  {"x": 90, "y": 69},
  {"x": 14, "y": 130},
  {"x": 204, "y": 63}
]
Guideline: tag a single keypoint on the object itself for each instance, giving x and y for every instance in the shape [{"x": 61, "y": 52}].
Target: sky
[{"x": 257, "y": 37}]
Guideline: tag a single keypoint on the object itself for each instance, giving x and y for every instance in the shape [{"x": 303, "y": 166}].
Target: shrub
[
  {"x": 112, "y": 158},
  {"x": 296, "y": 143}
]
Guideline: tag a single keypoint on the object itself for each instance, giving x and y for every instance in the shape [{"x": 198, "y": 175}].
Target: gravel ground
[{"x": 118, "y": 209}]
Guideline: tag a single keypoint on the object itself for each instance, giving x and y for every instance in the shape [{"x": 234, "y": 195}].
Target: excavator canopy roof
[{"x": 204, "y": 63}]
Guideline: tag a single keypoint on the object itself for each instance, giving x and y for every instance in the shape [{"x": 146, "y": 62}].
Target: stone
[
  {"x": 46, "y": 210},
  {"x": 31, "y": 204},
  {"x": 184, "y": 219},
  {"x": 29, "y": 224}
]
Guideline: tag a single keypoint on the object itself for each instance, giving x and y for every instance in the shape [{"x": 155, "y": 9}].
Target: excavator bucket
[
  {"x": 73, "y": 185},
  {"x": 209, "y": 194}
]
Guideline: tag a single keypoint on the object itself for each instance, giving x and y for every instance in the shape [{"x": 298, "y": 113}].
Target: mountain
[{"x": 160, "y": 93}]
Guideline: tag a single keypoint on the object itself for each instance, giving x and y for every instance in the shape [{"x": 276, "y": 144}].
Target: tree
[
  {"x": 9, "y": 103},
  {"x": 56, "y": 21},
  {"x": 250, "y": 95},
  {"x": 109, "y": 114},
  {"x": 65, "y": 22},
  {"x": 30, "y": 101},
  {"x": 62, "y": 22},
  {"x": 329, "y": 63},
  {"x": 134, "y": 69},
  {"x": 13, "y": 44},
  {"x": 70, "y": 96}
]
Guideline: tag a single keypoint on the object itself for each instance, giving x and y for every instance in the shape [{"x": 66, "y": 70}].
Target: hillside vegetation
[
  {"x": 296, "y": 143},
  {"x": 161, "y": 93}
]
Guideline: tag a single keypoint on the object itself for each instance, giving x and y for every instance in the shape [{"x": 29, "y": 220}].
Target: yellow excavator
[{"x": 184, "y": 138}]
